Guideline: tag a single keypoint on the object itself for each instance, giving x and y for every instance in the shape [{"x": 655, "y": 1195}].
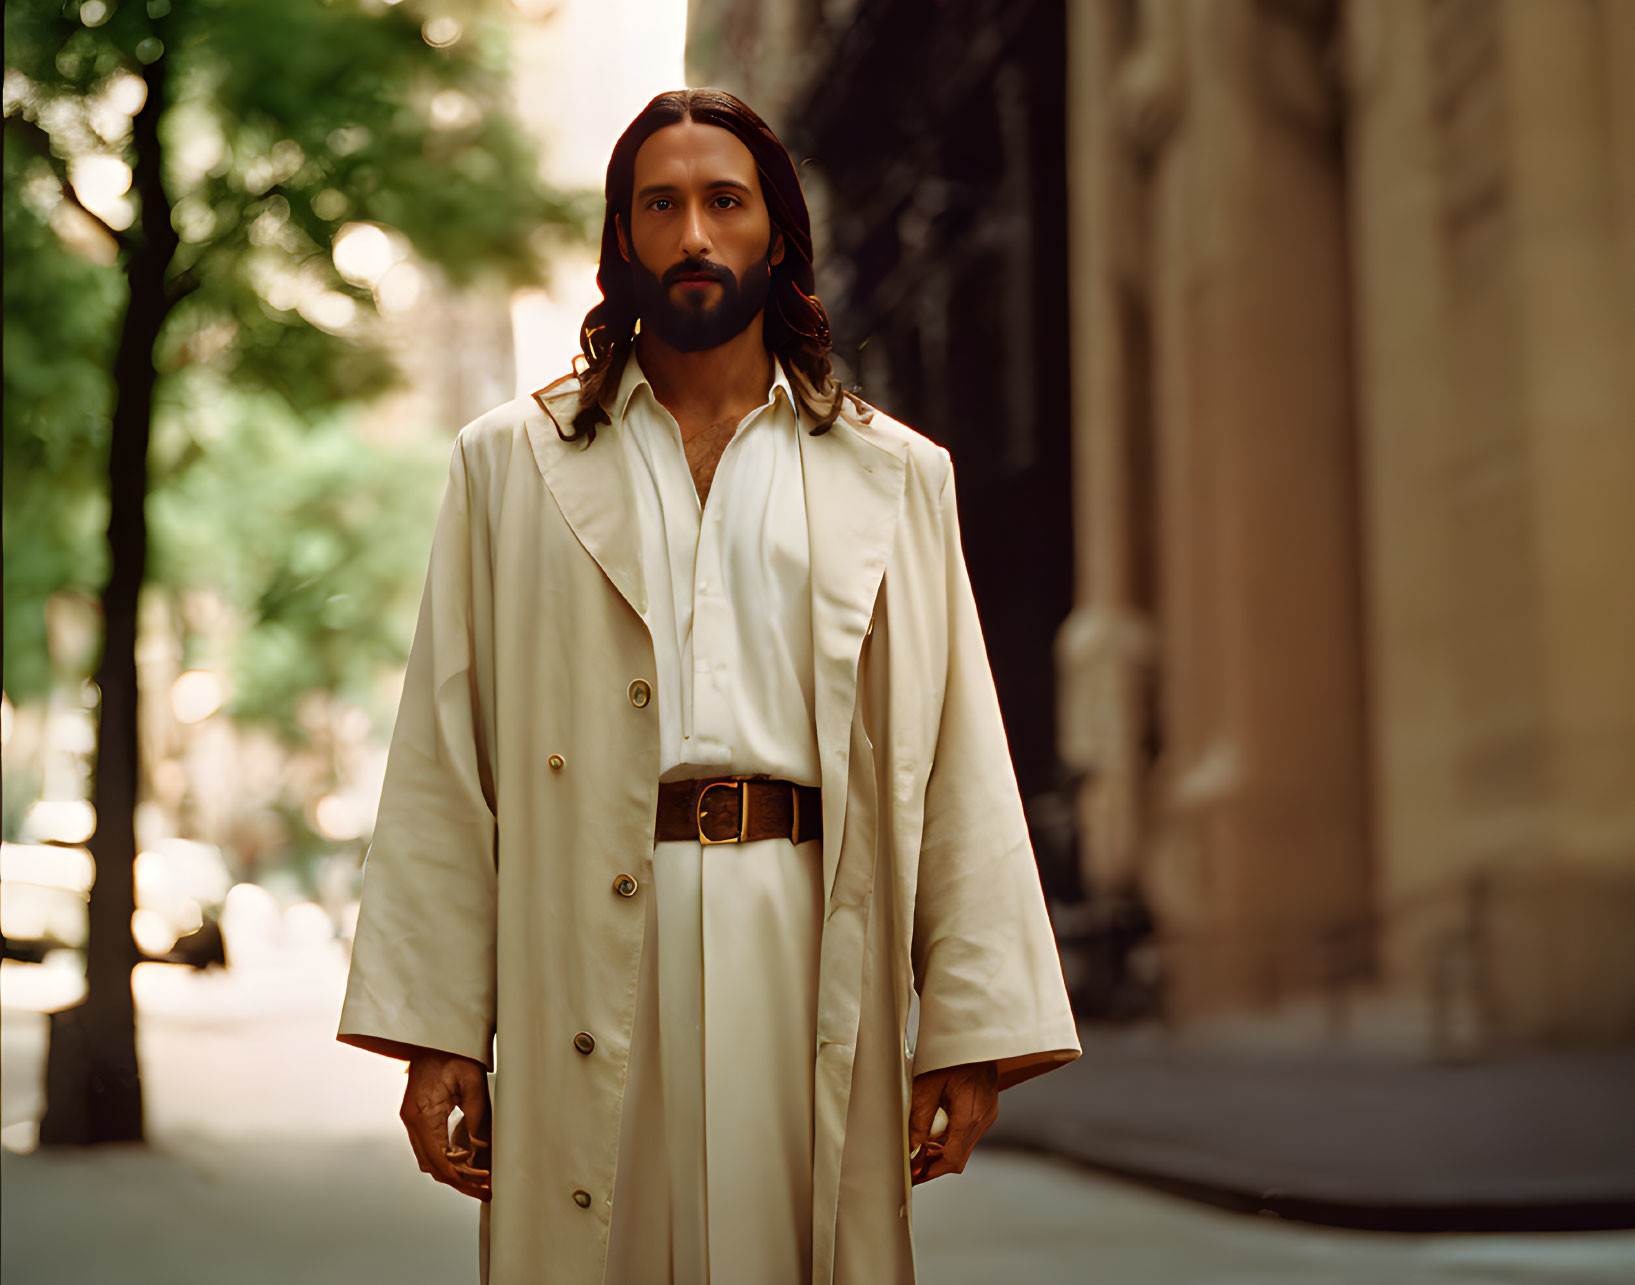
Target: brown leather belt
[{"x": 738, "y": 809}]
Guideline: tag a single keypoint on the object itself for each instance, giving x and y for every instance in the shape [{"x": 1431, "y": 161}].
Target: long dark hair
[{"x": 795, "y": 326}]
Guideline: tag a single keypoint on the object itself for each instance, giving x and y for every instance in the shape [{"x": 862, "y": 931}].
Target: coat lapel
[
  {"x": 592, "y": 488},
  {"x": 854, "y": 491}
]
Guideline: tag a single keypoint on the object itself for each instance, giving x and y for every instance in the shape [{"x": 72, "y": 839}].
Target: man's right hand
[{"x": 439, "y": 1082}]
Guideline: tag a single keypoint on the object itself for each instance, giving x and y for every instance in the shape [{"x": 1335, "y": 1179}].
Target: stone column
[
  {"x": 1104, "y": 648},
  {"x": 1212, "y": 288},
  {"x": 1493, "y": 205}
]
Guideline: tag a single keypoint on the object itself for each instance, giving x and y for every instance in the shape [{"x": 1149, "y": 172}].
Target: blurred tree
[
  {"x": 177, "y": 173},
  {"x": 60, "y": 312},
  {"x": 329, "y": 538}
]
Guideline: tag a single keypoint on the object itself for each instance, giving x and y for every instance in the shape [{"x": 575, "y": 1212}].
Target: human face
[{"x": 700, "y": 240}]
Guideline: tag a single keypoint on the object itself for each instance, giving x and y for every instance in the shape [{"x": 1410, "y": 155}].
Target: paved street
[
  {"x": 1346, "y": 1136},
  {"x": 277, "y": 1158}
]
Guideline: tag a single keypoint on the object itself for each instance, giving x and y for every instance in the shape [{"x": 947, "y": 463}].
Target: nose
[{"x": 695, "y": 236}]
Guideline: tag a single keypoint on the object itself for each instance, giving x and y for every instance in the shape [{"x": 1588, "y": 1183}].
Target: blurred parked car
[
  {"x": 43, "y": 896},
  {"x": 180, "y": 887}
]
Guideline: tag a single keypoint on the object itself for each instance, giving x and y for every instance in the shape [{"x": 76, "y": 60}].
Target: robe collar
[{"x": 634, "y": 377}]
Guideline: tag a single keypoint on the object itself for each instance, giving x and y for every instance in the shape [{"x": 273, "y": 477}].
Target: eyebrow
[{"x": 653, "y": 189}]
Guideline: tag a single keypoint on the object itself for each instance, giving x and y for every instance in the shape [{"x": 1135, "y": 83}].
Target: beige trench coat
[{"x": 491, "y": 898}]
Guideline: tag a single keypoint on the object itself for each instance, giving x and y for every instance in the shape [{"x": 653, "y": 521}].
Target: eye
[
  {"x": 658, "y": 201},
  {"x": 731, "y": 200}
]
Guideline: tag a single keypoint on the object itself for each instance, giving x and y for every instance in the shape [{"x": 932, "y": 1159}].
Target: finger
[
  {"x": 921, "y": 1170},
  {"x": 467, "y": 1156},
  {"x": 944, "y": 1162},
  {"x": 457, "y": 1172},
  {"x": 473, "y": 1161},
  {"x": 472, "y": 1182},
  {"x": 928, "y": 1150},
  {"x": 965, "y": 1126},
  {"x": 923, "y": 1105},
  {"x": 459, "y": 1169},
  {"x": 474, "y": 1106},
  {"x": 464, "y": 1178},
  {"x": 461, "y": 1147}
]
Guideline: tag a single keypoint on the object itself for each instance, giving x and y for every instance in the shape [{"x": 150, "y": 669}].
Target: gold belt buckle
[{"x": 736, "y": 783}]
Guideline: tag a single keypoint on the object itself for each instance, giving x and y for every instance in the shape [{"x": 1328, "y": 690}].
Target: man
[{"x": 698, "y": 793}]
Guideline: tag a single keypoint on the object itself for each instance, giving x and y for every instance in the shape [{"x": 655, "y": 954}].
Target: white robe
[
  {"x": 729, "y": 610},
  {"x": 510, "y": 877}
]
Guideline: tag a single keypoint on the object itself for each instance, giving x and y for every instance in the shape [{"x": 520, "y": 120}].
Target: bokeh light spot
[
  {"x": 441, "y": 32},
  {"x": 196, "y": 695}
]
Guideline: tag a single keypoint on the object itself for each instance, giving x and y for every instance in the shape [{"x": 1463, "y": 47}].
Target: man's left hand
[{"x": 970, "y": 1095}]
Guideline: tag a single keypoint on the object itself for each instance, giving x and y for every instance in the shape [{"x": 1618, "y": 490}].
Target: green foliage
[
  {"x": 60, "y": 317},
  {"x": 330, "y": 539},
  {"x": 284, "y": 121}
]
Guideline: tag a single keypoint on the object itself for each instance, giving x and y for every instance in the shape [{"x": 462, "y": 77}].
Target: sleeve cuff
[
  {"x": 403, "y": 1039},
  {"x": 1020, "y": 1055}
]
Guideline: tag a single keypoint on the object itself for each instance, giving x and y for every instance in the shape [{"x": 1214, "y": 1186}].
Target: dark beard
[{"x": 691, "y": 327}]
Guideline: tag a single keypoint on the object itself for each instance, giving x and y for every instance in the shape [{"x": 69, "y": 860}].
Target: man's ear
[
  {"x": 776, "y": 256},
  {"x": 624, "y": 243}
]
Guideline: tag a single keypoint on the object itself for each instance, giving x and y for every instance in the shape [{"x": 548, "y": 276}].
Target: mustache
[{"x": 697, "y": 268}]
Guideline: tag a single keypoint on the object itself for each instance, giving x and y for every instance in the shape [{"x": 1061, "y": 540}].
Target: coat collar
[{"x": 592, "y": 488}]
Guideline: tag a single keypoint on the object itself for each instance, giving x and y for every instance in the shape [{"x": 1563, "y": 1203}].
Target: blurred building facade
[{"x": 1286, "y": 350}]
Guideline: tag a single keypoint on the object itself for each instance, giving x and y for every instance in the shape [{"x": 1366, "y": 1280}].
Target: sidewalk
[
  {"x": 1543, "y": 1143},
  {"x": 277, "y": 1157},
  {"x": 275, "y": 1154},
  {"x": 231, "y": 1212},
  {"x": 135, "y": 1216}
]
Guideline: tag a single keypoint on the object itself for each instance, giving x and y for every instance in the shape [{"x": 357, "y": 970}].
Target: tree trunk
[{"x": 93, "y": 1086}]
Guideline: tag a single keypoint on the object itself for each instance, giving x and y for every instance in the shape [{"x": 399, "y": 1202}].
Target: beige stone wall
[
  {"x": 1493, "y": 240},
  {"x": 1215, "y": 332},
  {"x": 1354, "y": 280}
]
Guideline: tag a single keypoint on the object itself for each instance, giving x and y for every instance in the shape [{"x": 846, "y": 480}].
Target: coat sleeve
[
  {"x": 985, "y": 958},
  {"x": 423, "y": 966}
]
